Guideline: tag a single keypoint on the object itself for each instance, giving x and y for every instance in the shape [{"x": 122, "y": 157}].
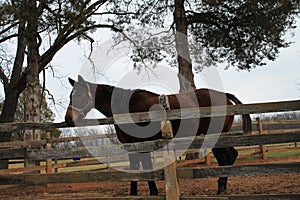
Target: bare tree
[{"x": 31, "y": 33}]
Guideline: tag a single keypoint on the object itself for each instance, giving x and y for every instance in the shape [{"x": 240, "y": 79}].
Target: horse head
[{"x": 81, "y": 101}]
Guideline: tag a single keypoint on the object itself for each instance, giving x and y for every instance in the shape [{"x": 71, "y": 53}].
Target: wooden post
[
  {"x": 172, "y": 187},
  {"x": 49, "y": 166},
  {"x": 108, "y": 162},
  {"x": 154, "y": 160},
  {"x": 208, "y": 160},
  {"x": 262, "y": 147},
  {"x": 55, "y": 162}
]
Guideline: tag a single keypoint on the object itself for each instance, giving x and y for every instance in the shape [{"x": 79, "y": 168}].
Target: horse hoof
[
  {"x": 154, "y": 193},
  {"x": 221, "y": 192}
]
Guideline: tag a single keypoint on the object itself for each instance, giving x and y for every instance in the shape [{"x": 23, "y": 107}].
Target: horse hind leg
[
  {"x": 224, "y": 156},
  {"x": 147, "y": 165}
]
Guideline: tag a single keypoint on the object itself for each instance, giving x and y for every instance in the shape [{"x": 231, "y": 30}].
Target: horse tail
[{"x": 247, "y": 127}]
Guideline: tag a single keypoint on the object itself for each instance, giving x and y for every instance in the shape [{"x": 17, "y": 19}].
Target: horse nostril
[{"x": 68, "y": 120}]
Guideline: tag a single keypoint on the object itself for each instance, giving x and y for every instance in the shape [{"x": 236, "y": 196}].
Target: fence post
[
  {"x": 208, "y": 160},
  {"x": 55, "y": 162},
  {"x": 172, "y": 187},
  {"x": 49, "y": 166},
  {"x": 262, "y": 147}
]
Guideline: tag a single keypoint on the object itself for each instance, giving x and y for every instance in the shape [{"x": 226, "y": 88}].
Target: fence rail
[
  {"x": 214, "y": 140},
  {"x": 189, "y": 113},
  {"x": 268, "y": 126},
  {"x": 118, "y": 176}
]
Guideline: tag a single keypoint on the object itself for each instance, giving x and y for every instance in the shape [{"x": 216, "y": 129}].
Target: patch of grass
[
  {"x": 284, "y": 154},
  {"x": 6, "y": 186},
  {"x": 278, "y": 154}
]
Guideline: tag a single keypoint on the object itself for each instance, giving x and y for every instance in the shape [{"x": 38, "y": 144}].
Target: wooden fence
[{"x": 177, "y": 143}]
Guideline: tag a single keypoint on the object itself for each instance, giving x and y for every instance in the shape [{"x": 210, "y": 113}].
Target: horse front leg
[
  {"x": 134, "y": 165},
  {"x": 224, "y": 156},
  {"x": 147, "y": 165}
]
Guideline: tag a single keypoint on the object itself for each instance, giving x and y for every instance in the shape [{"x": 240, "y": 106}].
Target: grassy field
[
  {"x": 284, "y": 154},
  {"x": 276, "y": 151}
]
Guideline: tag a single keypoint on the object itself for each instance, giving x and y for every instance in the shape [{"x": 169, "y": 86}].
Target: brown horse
[{"x": 111, "y": 100}]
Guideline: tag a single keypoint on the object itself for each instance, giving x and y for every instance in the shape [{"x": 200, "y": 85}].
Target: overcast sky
[{"x": 277, "y": 81}]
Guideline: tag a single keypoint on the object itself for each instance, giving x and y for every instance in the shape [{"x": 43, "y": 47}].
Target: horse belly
[{"x": 129, "y": 133}]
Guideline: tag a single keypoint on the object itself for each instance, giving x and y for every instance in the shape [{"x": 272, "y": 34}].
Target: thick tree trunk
[
  {"x": 185, "y": 67},
  {"x": 33, "y": 96},
  {"x": 185, "y": 73},
  {"x": 7, "y": 115},
  {"x": 32, "y": 114}
]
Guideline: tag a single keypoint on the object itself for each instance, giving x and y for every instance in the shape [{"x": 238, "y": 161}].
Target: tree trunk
[
  {"x": 185, "y": 67},
  {"x": 33, "y": 96},
  {"x": 7, "y": 115},
  {"x": 185, "y": 73}
]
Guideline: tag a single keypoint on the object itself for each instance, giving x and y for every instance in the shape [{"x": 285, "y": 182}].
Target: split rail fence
[{"x": 170, "y": 174}]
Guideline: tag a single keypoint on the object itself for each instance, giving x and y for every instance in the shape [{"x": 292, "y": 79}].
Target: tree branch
[
  {"x": 62, "y": 40},
  {"x": 3, "y": 77},
  {"x": 205, "y": 18},
  {"x": 20, "y": 54},
  {"x": 9, "y": 27},
  {"x": 115, "y": 13},
  {"x": 8, "y": 37}
]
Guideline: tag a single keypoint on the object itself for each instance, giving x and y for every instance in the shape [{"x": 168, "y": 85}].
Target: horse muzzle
[
  {"x": 69, "y": 120},
  {"x": 71, "y": 117}
]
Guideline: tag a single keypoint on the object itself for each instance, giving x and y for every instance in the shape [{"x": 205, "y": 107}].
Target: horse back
[{"x": 144, "y": 101}]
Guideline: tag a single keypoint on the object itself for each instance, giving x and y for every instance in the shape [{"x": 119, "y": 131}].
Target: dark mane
[
  {"x": 123, "y": 91},
  {"x": 119, "y": 100}
]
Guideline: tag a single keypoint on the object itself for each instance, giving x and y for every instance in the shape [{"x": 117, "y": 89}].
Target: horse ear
[
  {"x": 72, "y": 82},
  {"x": 80, "y": 79}
]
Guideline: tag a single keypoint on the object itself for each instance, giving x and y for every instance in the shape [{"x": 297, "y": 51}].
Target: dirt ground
[{"x": 271, "y": 184}]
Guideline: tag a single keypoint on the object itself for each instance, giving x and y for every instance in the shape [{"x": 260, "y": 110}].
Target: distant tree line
[
  {"x": 281, "y": 116},
  {"x": 274, "y": 116},
  {"x": 84, "y": 132}
]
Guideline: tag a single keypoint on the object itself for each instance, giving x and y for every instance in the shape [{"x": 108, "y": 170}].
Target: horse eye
[{"x": 76, "y": 94}]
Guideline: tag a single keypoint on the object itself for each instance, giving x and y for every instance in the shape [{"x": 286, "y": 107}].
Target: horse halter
[{"x": 83, "y": 111}]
